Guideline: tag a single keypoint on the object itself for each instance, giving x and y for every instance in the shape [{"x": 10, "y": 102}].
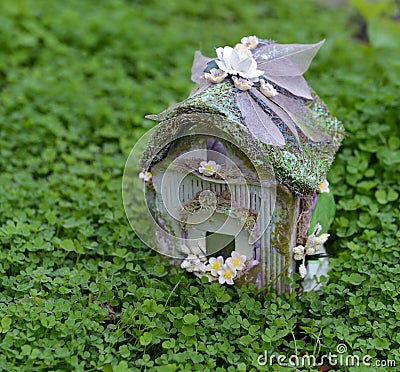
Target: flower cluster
[
  {"x": 216, "y": 268},
  {"x": 313, "y": 245},
  {"x": 237, "y": 62},
  {"x": 193, "y": 263}
]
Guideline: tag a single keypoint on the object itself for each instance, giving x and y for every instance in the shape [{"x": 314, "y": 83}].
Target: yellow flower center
[
  {"x": 227, "y": 275},
  {"x": 216, "y": 265},
  {"x": 209, "y": 168},
  {"x": 236, "y": 262}
]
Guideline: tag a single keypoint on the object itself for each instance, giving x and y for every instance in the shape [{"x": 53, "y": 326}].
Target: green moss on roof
[{"x": 301, "y": 166}]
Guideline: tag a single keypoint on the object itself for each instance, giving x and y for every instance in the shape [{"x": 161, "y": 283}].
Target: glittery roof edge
[{"x": 300, "y": 165}]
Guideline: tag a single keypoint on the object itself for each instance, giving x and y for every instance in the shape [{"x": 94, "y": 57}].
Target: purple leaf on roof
[{"x": 258, "y": 121}]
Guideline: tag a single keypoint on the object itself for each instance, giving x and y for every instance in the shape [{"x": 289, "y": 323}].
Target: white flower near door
[
  {"x": 226, "y": 274},
  {"x": 236, "y": 261}
]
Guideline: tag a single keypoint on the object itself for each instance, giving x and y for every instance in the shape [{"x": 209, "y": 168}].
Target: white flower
[
  {"x": 238, "y": 61},
  {"x": 215, "y": 75},
  {"x": 145, "y": 176},
  {"x": 314, "y": 243},
  {"x": 208, "y": 168},
  {"x": 236, "y": 261},
  {"x": 267, "y": 89},
  {"x": 298, "y": 252},
  {"x": 241, "y": 83},
  {"x": 321, "y": 239},
  {"x": 193, "y": 264},
  {"x": 249, "y": 42},
  {"x": 226, "y": 275},
  {"x": 324, "y": 187},
  {"x": 310, "y": 245},
  {"x": 303, "y": 270},
  {"x": 215, "y": 264}
]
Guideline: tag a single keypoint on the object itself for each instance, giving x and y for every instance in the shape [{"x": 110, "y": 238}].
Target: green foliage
[
  {"x": 78, "y": 290},
  {"x": 324, "y": 212}
]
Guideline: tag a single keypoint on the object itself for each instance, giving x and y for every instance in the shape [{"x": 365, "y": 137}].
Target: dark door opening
[
  {"x": 219, "y": 244},
  {"x": 216, "y": 151}
]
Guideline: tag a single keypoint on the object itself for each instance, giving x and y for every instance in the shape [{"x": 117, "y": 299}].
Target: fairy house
[{"x": 240, "y": 164}]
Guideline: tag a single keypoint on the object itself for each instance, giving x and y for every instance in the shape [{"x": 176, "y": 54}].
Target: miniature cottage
[{"x": 234, "y": 172}]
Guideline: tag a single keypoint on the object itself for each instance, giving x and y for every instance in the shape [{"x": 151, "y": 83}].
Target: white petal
[
  {"x": 310, "y": 251},
  {"x": 235, "y": 60},
  {"x": 303, "y": 270},
  {"x": 222, "y": 66},
  {"x": 243, "y": 74},
  {"x": 209, "y": 77},
  {"x": 242, "y": 51},
  {"x": 220, "y": 52},
  {"x": 254, "y": 73},
  {"x": 185, "y": 264},
  {"x": 239, "y": 256},
  {"x": 227, "y": 56},
  {"x": 244, "y": 65}
]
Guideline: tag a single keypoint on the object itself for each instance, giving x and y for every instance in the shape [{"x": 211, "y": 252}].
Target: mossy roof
[{"x": 300, "y": 165}]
